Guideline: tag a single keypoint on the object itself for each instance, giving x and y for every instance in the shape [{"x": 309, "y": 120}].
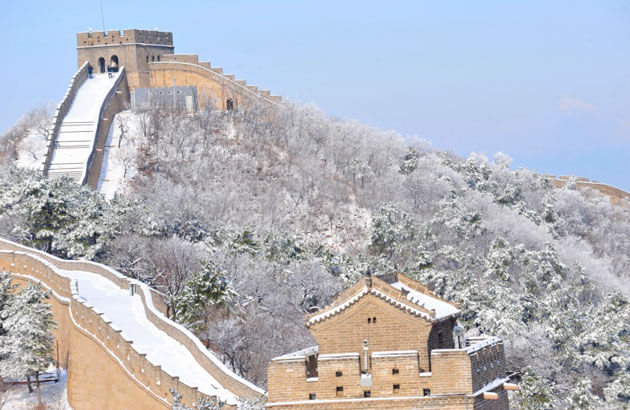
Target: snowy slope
[
  {"x": 119, "y": 163},
  {"x": 78, "y": 129}
]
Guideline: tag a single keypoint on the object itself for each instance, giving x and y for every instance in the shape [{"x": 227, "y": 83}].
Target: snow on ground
[
  {"x": 127, "y": 313},
  {"x": 54, "y": 396},
  {"x": 32, "y": 150},
  {"x": 119, "y": 163}
]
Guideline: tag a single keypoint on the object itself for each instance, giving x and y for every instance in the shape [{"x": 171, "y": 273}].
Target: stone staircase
[
  {"x": 74, "y": 142},
  {"x": 71, "y": 141}
]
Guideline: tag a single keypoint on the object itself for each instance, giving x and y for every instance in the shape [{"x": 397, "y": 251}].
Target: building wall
[
  {"x": 135, "y": 49},
  {"x": 394, "y": 329},
  {"x": 409, "y": 403}
]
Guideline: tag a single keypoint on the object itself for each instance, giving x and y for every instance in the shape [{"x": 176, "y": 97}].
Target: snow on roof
[
  {"x": 442, "y": 309},
  {"x": 395, "y": 353},
  {"x": 340, "y": 308},
  {"x": 299, "y": 355},
  {"x": 480, "y": 344}
]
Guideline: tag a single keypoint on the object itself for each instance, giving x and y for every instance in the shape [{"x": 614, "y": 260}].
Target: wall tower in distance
[{"x": 133, "y": 49}]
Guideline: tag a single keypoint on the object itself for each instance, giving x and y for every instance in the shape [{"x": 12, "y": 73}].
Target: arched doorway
[
  {"x": 113, "y": 63},
  {"x": 101, "y": 65}
]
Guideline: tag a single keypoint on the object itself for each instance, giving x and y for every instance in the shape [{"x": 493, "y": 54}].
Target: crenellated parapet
[
  {"x": 131, "y": 36},
  {"x": 212, "y": 83}
]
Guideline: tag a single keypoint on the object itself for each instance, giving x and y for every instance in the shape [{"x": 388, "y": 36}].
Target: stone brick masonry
[
  {"x": 378, "y": 349},
  {"x": 104, "y": 370}
]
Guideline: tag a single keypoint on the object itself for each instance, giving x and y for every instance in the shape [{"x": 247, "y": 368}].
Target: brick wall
[
  {"x": 153, "y": 381},
  {"x": 135, "y": 49},
  {"x": 212, "y": 86},
  {"x": 116, "y": 104},
  {"x": 394, "y": 329}
]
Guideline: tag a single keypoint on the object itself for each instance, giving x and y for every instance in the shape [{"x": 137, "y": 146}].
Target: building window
[
  {"x": 147, "y": 59},
  {"x": 396, "y": 388},
  {"x": 338, "y": 373},
  {"x": 152, "y": 58},
  {"x": 373, "y": 320},
  {"x": 339, "y": 391},
  {"x": 312, "y": 396},
  {"x": 394, "y": 371},
  {"x": 367, "y": 393},
  {"x": 426, "y": 392},
  {"x": 369, "y": 320}
]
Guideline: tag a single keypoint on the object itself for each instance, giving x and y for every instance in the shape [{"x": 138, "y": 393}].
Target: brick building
[
  {"x": 389, "y": 342},
  {"x": 150, "y": 62}
]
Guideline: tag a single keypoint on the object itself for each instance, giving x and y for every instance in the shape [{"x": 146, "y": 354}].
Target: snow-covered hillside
[{"x": 276, "y": 211}]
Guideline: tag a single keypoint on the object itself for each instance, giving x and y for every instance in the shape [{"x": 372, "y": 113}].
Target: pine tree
[
  {"x": 28, "y": 344},
  {"x": 204, "y": 289}
]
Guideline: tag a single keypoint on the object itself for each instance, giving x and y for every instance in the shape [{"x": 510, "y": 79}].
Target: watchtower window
[
  {"x": 147, "y": 59},
  {"x": 396, "y": 388},
  {"x": 158, "y": 57},
  {"x": 339, "y": 391},
  {"x": 338, "y": 373},
  {"x": 395, "y": 371},
  {"x": 426, "y": 392},
  {"x": 373, "y": 320},
  {"x": 101, "y": 65},
  {"x": 230, "y": 104},
  {"x": 369, "y": 320},
  {"x": 312, "y": 396},
  {"x": 367, "y": 393},
  {"x": 152, "y": 58}
]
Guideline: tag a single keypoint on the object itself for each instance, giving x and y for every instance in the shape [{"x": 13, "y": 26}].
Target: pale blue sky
[{"x": 546, "y": 82}]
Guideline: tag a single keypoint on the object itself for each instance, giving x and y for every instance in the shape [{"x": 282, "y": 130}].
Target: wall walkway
[{"x": 107, "y": 367}]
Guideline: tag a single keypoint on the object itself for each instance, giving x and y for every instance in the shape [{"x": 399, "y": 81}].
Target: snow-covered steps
[{"x": 74, "y": 143}]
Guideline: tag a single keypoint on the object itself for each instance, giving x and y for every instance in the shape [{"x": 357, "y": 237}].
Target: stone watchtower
[{"x": 134, "y": 49}]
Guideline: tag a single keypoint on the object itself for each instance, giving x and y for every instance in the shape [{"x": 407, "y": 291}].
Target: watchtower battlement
[
  {"x": 129, "y": 36},
  {"x": 150, "y": 62}
]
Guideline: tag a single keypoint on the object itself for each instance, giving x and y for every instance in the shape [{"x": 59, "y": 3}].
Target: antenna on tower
[{"x": 102, "y": 17}]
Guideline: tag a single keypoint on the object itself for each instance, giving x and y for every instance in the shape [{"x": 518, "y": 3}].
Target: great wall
[
  {"x": 117, "y": 69},
  {"x": 110, "y": 364},
  {"x": 617, "y": 196},
  {"x": 108, "y": 369}
]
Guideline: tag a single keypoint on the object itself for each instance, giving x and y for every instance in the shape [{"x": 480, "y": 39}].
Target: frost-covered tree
[
  {"x": 205, "y": 289},
  {"x": 27, "y": 346}
]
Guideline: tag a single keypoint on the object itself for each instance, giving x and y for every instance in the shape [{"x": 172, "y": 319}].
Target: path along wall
[
  {"x": 212, "y": 85},
  {"x": 616, "y": 195},
  {"x": 105, "y": 371}
]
